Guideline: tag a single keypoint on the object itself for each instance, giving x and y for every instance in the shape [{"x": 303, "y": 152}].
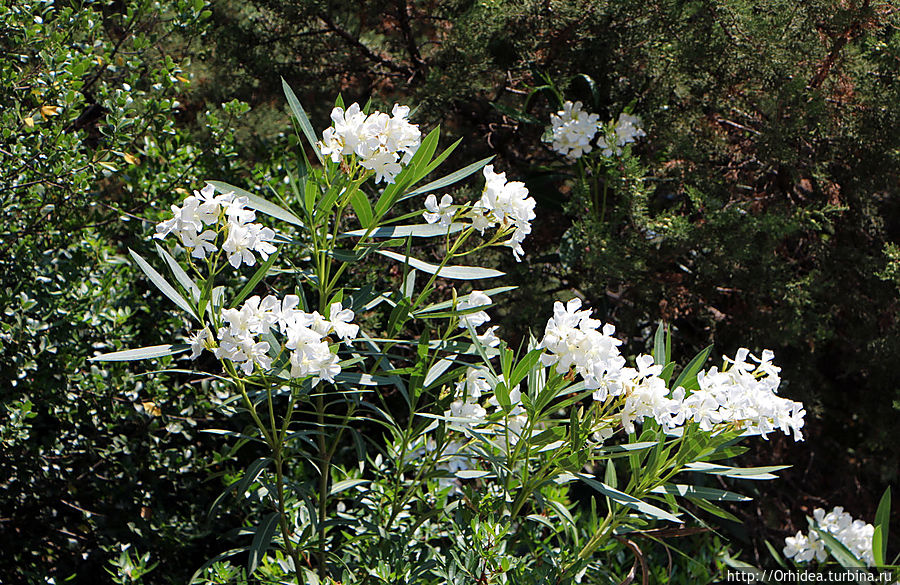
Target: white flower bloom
[
  {"x": 199, "y": 341},
  {"x": 474, "y": 384},
  {"x": 443, "y": 213},
  {"x": 489, "y": 337},
  {"x": 341, "y": 322},
  {"x": 572, "y": 130},
  {"x": 472, "y": 413},
  {"x": 574, "y": 340},
  {"x": 745, "y": 395},
  {"x": 804, "y": 548},
  {"x": 199, "y": 244},
  {"x": 206, "y": 208},
  {"x": 384, "y": 164},
  {"x": 314, "y": 359},
  {"x": 382, "y": 142},
  {"x": 473, "y": 300},
  {"x": 504, "y": 204},
  {"x": 627, "y": 129},
  {"x": 243, "y": 350}
]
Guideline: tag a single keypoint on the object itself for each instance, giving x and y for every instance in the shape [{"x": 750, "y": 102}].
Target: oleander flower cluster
[
  {"x": 382, "y": 143},
  {"x": 626, "y": 130},
  {"x": 856, "y": 535},
  {"x": 746, "y": 395},
  {"x": 203, "y": 216},
  {"x": 504, "y": 204},
  {"x": 477, "y": 300},
  {"x": 743, "y": 395},
  {"x": 304, "y": 335},
  {"x": 572, "y": 130}
]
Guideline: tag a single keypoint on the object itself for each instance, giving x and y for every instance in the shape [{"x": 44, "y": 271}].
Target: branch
[{"x": 366, "y": 51}]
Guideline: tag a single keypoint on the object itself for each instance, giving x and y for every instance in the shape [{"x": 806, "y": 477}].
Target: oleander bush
[{"x": 758, "y": 209}]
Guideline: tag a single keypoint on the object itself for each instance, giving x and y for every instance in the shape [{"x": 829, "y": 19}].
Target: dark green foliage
[{"x": 768, "y": 216}]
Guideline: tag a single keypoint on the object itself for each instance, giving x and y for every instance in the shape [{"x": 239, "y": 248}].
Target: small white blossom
[
  {"x": 572, "y": 130},
  {"x": 442, "y": 212},
  {"x": 473, "y": 300}
]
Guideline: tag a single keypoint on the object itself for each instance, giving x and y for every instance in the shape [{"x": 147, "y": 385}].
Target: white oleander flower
[
  {"x": 442, "y": 212},
  {"x": 473, "y": 300},
  {"x": 382, "y": 142},
  {"x": 574, "y": 340},
  {"x": 340, "y": 319},
  {"x": 856, "y": 535},
  {"x": 199, "y": 341},
  {"x": 746, "y": 395},
  {"x": 489, "y": 337},
  {"x": 572, "y": 130},
  {"x": 627, "y": 129},
  {"x": 804, "y": 548},
  {"x": 206, "y": 208},
  {"x": 474, "y": 384},
  {"x": 504, "y": 204},
  {"x": 472, "y": 413}
]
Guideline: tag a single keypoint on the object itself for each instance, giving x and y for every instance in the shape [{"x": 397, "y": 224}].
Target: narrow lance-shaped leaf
[
  {"x": 882, "y": 525},
  {"x": 163, "y": 285},
  {"x": 627, "y": 500},
  {"x": 659, "y": 345},
  {"x": 424, "y": 230},
  {"x": 302, "y": 118},
  {"x": 704, "y": 493},
  {"x": 258, "y": 203},
  {"x": 455, "y": 272},
  {"x": 449, "y": 179},
  {"x": 180, "y": 275},
  {"x": 261, "y": 540},
  {"x": 142, "y": 353},
  {"x": 688, "y": 376}
]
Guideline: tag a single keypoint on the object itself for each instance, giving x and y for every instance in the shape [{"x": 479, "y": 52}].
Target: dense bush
[{"x": 767, "y": 213}]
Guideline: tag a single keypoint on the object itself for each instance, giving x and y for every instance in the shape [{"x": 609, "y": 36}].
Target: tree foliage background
[{"x": 770, "y": 218}]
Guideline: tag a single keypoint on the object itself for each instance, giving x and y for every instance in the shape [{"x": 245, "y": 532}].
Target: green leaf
[
  {"x": 688, "y": 376},
  {"x": 425, "y": 230},
  {"x": 438, "y": 369},
  {"x": 180, "y": 275},
  {"x": 345, "y": 485},
  {"x": 472, "y": 474},
  {"x": 455, "y": 272},
  {"x": 448, "y": 304},
  {"x": 524, "y": 366},
  {"x": 142, "y": 353},
  {"x": 254, "y": 280},
  {"x": 441, "y": 158},
  {"x": 163, "y": 285},
  {"x": 713, "y": 509},
  {"x": 626, "y": 448},
  {"x": 258, "y": 203},
  {"x": 704, "y": 493},
  {"x": 362, "y": 207},
  {"x": 883, "y": 521},
  {"x": 610, "y": 476},
  {"x": 261, "y": 540},
  {"x": 449, "y": 179},
  {"x": 659, "y": 345},
  {"x": 627, "y": 500},
  {"x": 736, "y": 472},
  {"x": 302, "y": 118}
]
